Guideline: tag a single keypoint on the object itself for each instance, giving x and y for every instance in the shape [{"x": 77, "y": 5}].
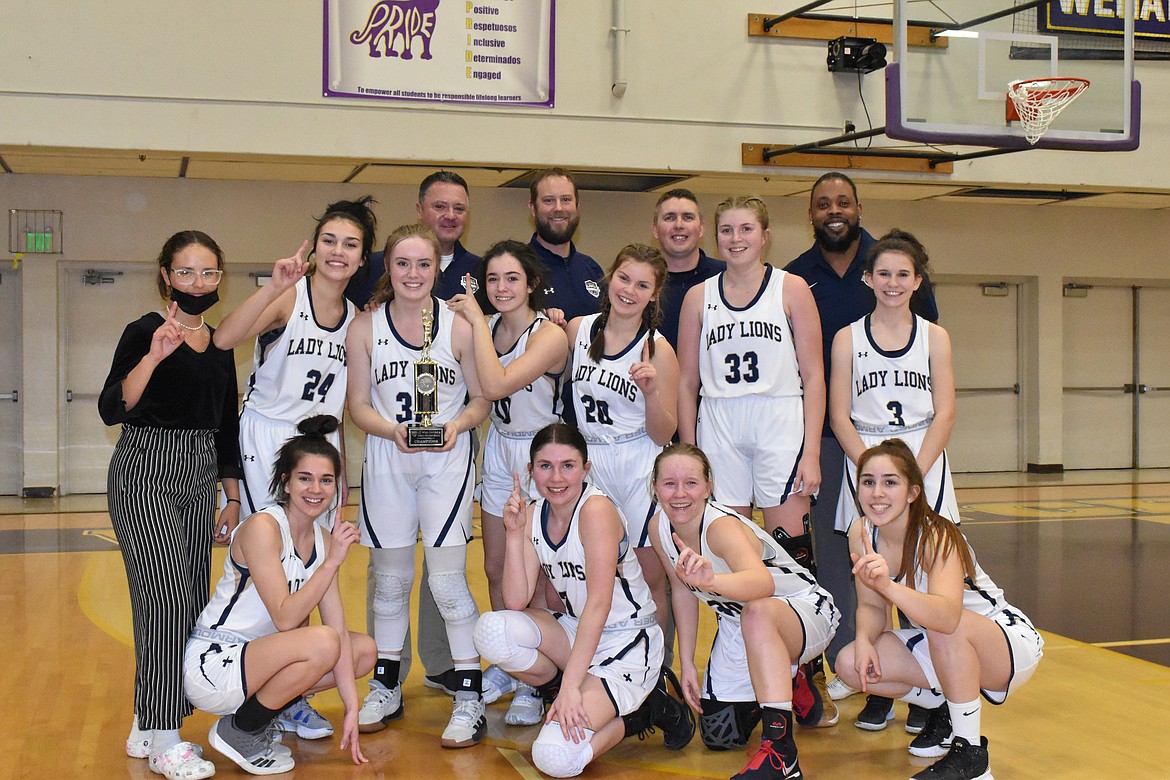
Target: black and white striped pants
[{"x": 161, "y": 491}]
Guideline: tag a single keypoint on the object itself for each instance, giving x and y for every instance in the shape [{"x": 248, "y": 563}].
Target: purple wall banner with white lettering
[
  {"x": 465, "y": 51},
  {"x": 1104, "y": 17}
]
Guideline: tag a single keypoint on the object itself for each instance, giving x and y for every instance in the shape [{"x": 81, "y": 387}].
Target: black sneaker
[
  {"x": 768, "y": 764},
  {"x": 935, "y": 738},
  {"x": 810, "y": 698},
  {"x": 916, "y": 720},
  {"x": 447, "y": 681},
  {"x": 672, "y": 714},
  {"x": 963, "y": 761},
  {"x": 878, "y": 711}
]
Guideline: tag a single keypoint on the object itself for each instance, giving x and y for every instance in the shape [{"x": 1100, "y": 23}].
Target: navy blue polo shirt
[
  {"x": 677, "y": 284},
  {"x": 843, "y": 299},
  {"x": 450, "y": 282},
  {"x": 573, "y": 283}
]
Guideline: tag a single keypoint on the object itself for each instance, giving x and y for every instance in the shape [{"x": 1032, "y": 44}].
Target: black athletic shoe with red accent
[
  {"x": 963, "y": 761},
  {"x": 810, "y": 702},
  {"x": 769, "y": 764}
]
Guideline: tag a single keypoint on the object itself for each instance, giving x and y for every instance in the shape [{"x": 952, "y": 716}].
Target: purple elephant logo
[{"x": 390, "y": 20}]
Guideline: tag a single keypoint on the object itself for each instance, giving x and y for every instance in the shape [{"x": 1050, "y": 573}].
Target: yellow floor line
[
  {"x": 1132, "y": 643},
  {"x": 522, "y": 767}
]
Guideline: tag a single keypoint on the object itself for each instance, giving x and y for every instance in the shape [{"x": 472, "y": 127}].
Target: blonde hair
[
  {"x": 749, "y": 202},
  {"x": 384, "y": 291}
]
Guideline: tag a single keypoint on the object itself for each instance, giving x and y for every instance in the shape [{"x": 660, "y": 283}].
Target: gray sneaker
[
  {"x": 527, "y": 708},
  {"x": 254, "y": 753}
]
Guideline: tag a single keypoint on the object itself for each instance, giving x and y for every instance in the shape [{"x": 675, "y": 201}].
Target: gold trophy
[{"x": 426, "y": 396}]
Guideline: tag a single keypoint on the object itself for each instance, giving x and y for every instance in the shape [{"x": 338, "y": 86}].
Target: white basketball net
[{"x": 1038, "y": 101}]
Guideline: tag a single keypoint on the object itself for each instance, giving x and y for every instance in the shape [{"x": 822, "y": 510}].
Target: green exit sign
[{"x": 38, "y": 242}]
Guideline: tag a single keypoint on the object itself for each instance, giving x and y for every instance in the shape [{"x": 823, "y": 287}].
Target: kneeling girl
[
  {"x": 252, "y": 653},
  {"x": 772, "y": 614}
]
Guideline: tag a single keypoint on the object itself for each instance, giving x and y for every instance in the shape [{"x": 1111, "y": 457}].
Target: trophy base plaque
[{"x": 425, "y": 436}]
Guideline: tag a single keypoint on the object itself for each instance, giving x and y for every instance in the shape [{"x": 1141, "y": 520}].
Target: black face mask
[{"x": 194, "y": 304}]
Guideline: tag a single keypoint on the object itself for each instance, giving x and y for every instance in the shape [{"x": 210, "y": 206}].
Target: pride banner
[{"x": 467, "y": 51}]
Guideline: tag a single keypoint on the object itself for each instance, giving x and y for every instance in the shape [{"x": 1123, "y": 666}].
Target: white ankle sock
[
  {"x": 163, "y": 740},
  {"x": 965, "y": 719}
]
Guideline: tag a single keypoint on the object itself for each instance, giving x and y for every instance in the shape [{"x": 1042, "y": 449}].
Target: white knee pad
[
  {"x": 452, "y": 596},
  {"x": 507, "y": 639},
  {"x": 391, "y": 595},
  {"x": 558, "y": 757}
]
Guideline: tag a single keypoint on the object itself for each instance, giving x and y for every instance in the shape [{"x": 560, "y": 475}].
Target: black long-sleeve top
[{"x": 188, "y": 390}]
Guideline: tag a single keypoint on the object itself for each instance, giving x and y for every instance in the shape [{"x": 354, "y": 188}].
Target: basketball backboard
[{"x": 957, "y": 94}]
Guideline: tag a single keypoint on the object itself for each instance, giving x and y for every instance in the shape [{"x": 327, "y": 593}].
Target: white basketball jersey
[
  {"x": 236, "y": 606},
  {"x": 563, "y": 562},
  {"x": 789, "y": 578},
  {"x": 299, "y": 370},
  {"x": 530, "y": 408},
  {"x": 891, "y": 390},
  {"x": 609, "y": 405},
  {"x": 981, "y": 596},
  {"x": 747, "y": 351},
  {"x": 392, "y": 362}
]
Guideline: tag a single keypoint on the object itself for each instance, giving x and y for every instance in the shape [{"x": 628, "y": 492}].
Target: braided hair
[{"x": 651, "y": 315}]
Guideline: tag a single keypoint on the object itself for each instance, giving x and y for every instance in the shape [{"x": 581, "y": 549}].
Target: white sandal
[
  {"x": 139, "y": 742},
  {"x": 183, "y": 761}
]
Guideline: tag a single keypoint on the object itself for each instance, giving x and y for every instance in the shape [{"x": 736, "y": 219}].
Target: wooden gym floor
[{"x": 1084, "y": 556}]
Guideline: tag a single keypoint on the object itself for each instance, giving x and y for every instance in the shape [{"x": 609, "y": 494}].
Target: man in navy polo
[
  {"x": 443, "y": 206},
  {"x": 573, "y": 279},
  {"x": 678, "y": 227}
]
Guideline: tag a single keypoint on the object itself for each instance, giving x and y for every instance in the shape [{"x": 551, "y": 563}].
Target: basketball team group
[{"x": 639, "y": 418}]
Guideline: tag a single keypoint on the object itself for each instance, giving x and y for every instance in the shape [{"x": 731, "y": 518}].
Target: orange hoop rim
[{"x": 1071, "y": 86}]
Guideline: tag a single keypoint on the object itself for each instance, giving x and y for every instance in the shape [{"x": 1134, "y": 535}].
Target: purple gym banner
[
  {"x": 462, "y": 51},
  {"x": 1104, "y": 17}
]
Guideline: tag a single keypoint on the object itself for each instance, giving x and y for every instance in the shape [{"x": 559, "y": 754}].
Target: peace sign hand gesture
[{"x": 167, "y": 337}]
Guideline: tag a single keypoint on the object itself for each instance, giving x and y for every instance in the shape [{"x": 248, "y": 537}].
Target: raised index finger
[
  {"x": 866, "y": 544},
  {"x": 516, "y": 483}
]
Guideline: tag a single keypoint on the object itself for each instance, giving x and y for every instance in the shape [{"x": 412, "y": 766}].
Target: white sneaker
[
  {"x": 838, "y": 690},
  {"x": 381, "y": 706},
  {"x": 527, "y": 707},
  {"x": 468, "y": 725},
  {"x": 496, "y": 684},
  {"x": 304, "y": 721},
  {"x": 139, "y": 741}
]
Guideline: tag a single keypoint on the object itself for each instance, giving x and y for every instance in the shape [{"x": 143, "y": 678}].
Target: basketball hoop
[{"x": 1036, "y": 102}]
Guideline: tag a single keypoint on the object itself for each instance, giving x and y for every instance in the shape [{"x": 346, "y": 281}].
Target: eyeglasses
[{"x": 187, "y": 275}]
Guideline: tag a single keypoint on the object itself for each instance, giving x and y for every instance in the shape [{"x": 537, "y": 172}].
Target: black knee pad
[
  {"x": 727, "y": 725},
  {"x": 799, "y": 547}
]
